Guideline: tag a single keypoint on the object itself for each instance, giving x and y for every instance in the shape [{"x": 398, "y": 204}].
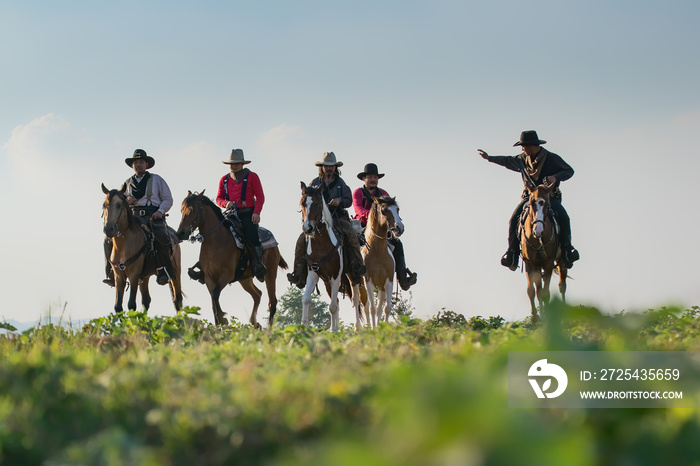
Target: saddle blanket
[{"x": 267, "y": 239}]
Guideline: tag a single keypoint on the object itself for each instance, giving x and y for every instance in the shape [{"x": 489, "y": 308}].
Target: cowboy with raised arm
[
  {"x": 537, "y": 166},
  {"x": 362, "y": 200},
  {"x": 242, "y": 189},
  {"x": 149, "y": 197},
  {"x": 338, "y": 198}
]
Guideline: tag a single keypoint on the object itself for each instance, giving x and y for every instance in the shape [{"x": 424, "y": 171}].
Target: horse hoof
[{"x": 534, "y": 318}]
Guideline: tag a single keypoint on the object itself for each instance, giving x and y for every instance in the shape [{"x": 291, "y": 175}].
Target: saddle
[{"x": 265, "y": 236}]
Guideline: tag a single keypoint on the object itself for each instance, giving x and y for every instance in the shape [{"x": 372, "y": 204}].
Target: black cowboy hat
[
  {"x": 529, "y": 138},
  {"x": 370, "y": 169},
  {"x": 140, "y": 154}
]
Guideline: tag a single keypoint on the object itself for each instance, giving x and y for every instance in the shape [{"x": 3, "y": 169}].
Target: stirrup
[{"x": 162, "y": 278}]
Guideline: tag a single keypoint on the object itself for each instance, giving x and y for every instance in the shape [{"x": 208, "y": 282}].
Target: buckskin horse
[
  {"x": 540, "y": 248},
  {"x": 324, "y": 256},
  {"x": 379, "y": 260},
  {"x": 219, "y": 257},
  {"x": 129, "y": 252}
]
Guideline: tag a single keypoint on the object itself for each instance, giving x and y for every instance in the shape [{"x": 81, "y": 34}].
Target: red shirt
[
  {"x": 363, "y": 206},
  {"x": 254, "y": 193}
]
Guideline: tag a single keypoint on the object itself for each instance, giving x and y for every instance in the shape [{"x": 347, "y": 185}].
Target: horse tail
[{"x": 283, "y": 264}]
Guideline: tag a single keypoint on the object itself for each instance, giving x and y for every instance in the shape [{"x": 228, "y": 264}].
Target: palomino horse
[
  {"x": 383, "y": 217},
  {"x": 129, "y": 252},
  {"x": 324, "y": 256},
  {"x": 219, "y": 257},
  {"x": 540, "y": 246}
]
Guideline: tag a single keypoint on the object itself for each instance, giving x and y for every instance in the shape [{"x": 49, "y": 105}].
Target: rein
[
  {"x": 123, "y": 265},
  {"x": 200, "y": 237}
]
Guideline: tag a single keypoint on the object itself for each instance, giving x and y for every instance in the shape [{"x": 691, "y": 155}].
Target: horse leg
[
  {"x": 271, "y": 285},
  {"x": 365, "y": 302},
  {"x": 175, "y": 283},
  {"x": 133, "y": 288},
  {"x": 334, "y": 306},
  {"x": 120, "y": 285},
  {"x": 271, "y": 259},
  {"x": 531, "y": 275},
  {"x": 356, "y": 305},
  {"x": 254, "y": 293},
  {"x": 389, "y": 288},
  {"x": 311, "y": 282},
  {"x": 544, "y": 292},
  {"x": 381, "y": 300},
  {"x": 370, "y": 300},
  {"x": 562, "y": 282},
  {"x": 145, "y": 294},
  {"x": 215, "y": 292}
]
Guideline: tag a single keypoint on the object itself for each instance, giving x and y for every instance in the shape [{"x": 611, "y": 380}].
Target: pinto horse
[
  {"x": 540, "y": 246},
  {"x": 219, "y": 257},
  {"x": 324, "y": 256},
  {"x": 379, "y": 260},
  {"x": 129, "y": 251}
]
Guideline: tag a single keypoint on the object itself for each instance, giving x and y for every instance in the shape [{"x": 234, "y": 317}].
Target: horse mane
[
  {"x": 388, "y": 200},
  {"x": 207, "y": 202}
]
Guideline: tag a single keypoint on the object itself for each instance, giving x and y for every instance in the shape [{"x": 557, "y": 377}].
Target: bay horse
[
  {"x": 129, "y": 251},
  {"x": 540, "y": 248},
  {"x": 219, "y": 257},
  {"x": 379, "y": 260},
  {"x": 324, "y": 256}
]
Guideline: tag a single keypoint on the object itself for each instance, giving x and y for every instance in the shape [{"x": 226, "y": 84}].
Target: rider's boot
[
  {"x": 165, "y": 270},
  {"x": 510, "y": 259},
  {"x": 570, "y": 255},
  {"x": 259, "y": 269},
  {"x": 299, "y": 271},
  {"x": 405, "y": 277}
]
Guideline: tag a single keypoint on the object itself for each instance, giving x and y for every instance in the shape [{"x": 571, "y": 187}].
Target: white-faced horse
[
  {"x": 540, "y": 247},
  {"x": 324, "y": 256},
  {"x": 379, "y": 260}
]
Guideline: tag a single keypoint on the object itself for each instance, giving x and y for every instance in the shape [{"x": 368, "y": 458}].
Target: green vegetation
[{"x": 134, "y": 389}]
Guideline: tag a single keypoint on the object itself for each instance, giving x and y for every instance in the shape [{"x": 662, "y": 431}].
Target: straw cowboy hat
[
  {"x": 140, "y": 154},
  {"x": 329, "y": 159},
  {"x": 370, "y": 169},
  {"x": 529, "y": 138},
  {"x": 236, "y": 157}
]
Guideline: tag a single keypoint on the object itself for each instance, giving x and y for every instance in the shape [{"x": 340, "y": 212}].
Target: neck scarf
[{"x": 534, "y": 167}]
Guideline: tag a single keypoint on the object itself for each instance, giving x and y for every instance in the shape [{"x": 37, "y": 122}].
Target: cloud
[
  {"x": 279, "y": 137},
  {"x": 34, "y": 145}
]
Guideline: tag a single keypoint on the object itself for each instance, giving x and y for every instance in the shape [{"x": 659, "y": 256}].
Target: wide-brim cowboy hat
[
  {"x": 329, "y": 160},
  {"x": 140, "y": 154},
  {"x": 236, "y": 157},
  {"x": 370, "y": 169},
  {"x": 529, "y": 138}
]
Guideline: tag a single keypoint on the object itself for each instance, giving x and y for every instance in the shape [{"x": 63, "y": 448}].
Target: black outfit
[{"x": 552, "y": 165}]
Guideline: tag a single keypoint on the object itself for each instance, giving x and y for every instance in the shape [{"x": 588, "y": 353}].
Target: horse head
[
  {"x": 539, "y": 207},
  {"x": 314, "y": 212},
  {"x": 390, "y": 211},
  {"x": 114, "y": 210},
  {"x": 191, "y": 211}
]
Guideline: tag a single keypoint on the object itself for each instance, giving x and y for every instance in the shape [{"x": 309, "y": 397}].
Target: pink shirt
[{"x": 362, "y": 206}]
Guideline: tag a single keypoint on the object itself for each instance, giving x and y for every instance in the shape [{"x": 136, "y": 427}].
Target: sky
[{"x": 415, "y": 87}]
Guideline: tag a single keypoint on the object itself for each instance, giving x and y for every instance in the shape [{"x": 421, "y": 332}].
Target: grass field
[{"x": 177, "y": 391}]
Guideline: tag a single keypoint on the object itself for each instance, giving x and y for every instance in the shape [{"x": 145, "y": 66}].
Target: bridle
[{"x": 198, "y": 219}]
